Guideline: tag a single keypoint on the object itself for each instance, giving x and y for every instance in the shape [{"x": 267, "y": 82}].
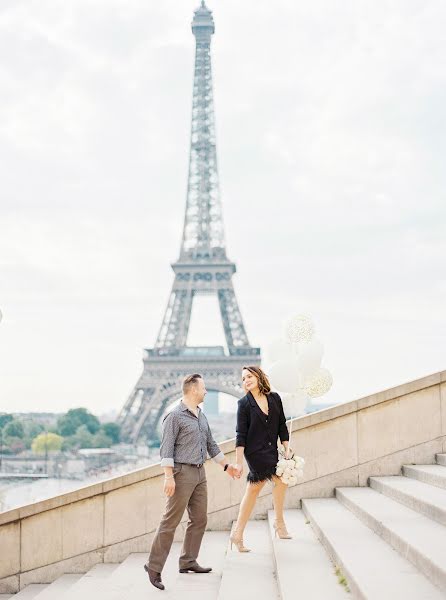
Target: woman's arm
[
  {"x": 286, "y": 445},
  {"x": 283, "y": 429},
  {"x": 239, "y": 454},
  {"x": 241, "y": 433}
]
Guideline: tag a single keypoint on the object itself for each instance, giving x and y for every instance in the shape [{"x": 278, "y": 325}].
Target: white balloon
[
  {"x": 294, "y": 404},
  {"x": 299, "y": 328},
  {"x": 310, "y": 358},
  {"x": 279, "y": 349},
  {"x": 319, "y": 384},
  {"x": 284, "y": 375}
]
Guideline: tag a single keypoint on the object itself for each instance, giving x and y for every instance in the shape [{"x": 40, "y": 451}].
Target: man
[{"x": 186, "y": 441}]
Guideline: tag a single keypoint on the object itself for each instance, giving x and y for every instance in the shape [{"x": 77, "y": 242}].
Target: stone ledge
[
  {"x": 82, "y": 493},
  {"x": 400, "y": 390}
]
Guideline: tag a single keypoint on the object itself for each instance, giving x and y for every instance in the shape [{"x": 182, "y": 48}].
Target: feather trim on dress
[{"x": 258, "y": 476}]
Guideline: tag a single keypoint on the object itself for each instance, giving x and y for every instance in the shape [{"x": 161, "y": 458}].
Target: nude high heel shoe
[
  {"x": 238, "y": 542},
  {"x": 281, "y": 531}
]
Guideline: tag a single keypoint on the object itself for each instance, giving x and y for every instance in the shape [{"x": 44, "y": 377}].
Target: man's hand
[
  {"x": 169, "y": 486},
  {"x": 232, "y": 471}
]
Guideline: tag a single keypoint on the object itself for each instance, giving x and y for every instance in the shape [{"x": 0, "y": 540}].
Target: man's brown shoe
[
  {"x": 196, "y": 569},
  {"x": 155, "y": 578}
]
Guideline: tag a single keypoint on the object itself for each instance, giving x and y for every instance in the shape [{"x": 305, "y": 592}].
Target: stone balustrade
[{"x": 342, "y": 445}]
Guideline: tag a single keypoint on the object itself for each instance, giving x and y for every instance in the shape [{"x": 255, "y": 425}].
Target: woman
[{"x": 260, "y": 421}]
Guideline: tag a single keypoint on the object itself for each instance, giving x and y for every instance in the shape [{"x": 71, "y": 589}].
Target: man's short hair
[{"x": 189, "y": 381}]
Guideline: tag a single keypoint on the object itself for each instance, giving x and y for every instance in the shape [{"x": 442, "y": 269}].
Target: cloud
[{"x": 330, "y": 132}]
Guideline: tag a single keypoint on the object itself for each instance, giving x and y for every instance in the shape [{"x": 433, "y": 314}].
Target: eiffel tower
[{"x": 202, "y": 268}]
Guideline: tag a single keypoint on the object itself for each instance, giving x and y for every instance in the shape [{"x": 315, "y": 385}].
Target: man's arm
[
  {"x": 213, "y": 449},
  {"x": 170, "y": 434},
  {"x": 167, "y": 448},
  {"x": 217, "y": 455}
]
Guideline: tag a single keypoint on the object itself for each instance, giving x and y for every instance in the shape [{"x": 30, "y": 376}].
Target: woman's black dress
[{"x": 258, "y": 433}]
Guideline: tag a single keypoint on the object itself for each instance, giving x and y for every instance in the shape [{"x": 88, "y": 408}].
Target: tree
[
  {"x": 83, "y": 438},
  {"x": 101, "y": 440},
  {"x": 4, "y": 419},
  {"x": 14, "y": 429},
  {"x": 69, "y": 423},
  {"x": 113, "y": 431},
  {"x": 32, "y": 430},
  {"x": 47, "y": 442},
  {"x": 68, "y": 443},
  {"x": 15, "y": 445}
]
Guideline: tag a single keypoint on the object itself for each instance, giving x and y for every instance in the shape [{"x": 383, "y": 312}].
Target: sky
[{"x": 331, "y": 135}]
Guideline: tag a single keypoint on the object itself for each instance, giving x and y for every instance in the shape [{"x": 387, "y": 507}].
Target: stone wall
[{"x": 104, "y": 522}]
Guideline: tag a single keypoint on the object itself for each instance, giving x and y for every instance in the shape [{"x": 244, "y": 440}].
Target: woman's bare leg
[
  {"x": 247, "y": 504},
  {"x": 279, "y": 491}
]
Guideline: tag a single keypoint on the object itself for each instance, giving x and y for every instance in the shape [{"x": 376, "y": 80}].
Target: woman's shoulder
[{"x": 243, "y": 401}]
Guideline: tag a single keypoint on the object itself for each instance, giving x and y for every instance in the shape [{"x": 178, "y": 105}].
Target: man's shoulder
[{"x": 172, "y": 414}]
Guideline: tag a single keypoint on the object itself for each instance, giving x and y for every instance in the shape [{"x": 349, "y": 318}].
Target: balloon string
[{"x": 296, "y": 351}]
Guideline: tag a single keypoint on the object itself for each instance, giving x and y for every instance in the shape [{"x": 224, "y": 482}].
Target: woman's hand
[
  {"x": 239, "y": 468},
  {"x": 169, "y": 486}
]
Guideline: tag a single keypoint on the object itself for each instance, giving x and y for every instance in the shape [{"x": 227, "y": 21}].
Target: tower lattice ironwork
[{"x": 202, "y": 268}]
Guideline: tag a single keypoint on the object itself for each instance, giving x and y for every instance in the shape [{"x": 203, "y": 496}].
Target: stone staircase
[{"x": 386, "y": 542}]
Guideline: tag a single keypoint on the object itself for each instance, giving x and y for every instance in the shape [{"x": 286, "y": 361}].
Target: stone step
[
  {"x": 422, "y": 497},
  {"x": 413, "y": 535},
  {"x": 441, "y": 459},
  {"x": 431, "y": 474},
  {"x": 304, "y": 570},
  {"x": 374, "y": 570},
  {"x": 55, "y": 590},
  {"x": 129, "y": 580},
  {"x": 30, "y": 591},
  {"x": 250, "y": 574},
  {"x": 101, "y": 571},
  {"x": 6, "y": 596},
  {"x": 91, "y": 583}
]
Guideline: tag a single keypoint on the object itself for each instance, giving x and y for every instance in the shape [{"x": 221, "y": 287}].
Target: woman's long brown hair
[{"x": 264, "y": 385}]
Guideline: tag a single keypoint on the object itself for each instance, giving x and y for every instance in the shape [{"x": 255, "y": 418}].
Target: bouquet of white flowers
[{"x": 289, "y": 469}]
